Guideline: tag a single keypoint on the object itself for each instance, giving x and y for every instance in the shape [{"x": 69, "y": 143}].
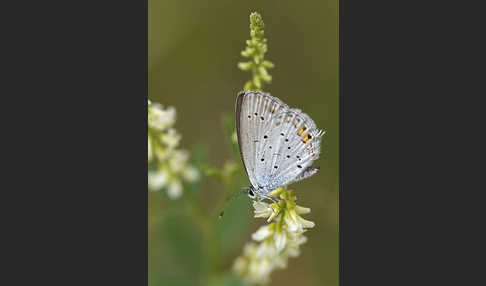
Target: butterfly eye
[{"x": 251, "y": 194}]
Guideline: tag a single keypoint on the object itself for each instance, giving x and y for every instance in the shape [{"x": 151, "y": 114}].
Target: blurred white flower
[
  {"x": 263, "y": 232},
  {"x": 169, "y": 166},
  {"x": 191, "y": 174},
  {"x": 175, "y": 189},
  {"x": 157, "y": 180},
  {"x": 171, "y": 138},
  {"x": 177, "y": 160},
  {"x": 159, "y": 118},
  {"x": 279, "y": 240}
]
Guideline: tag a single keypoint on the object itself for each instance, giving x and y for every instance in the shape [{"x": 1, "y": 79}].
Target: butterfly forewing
[{"x": 253, "y": 112}]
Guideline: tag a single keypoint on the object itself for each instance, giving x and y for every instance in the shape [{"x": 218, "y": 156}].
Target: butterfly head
[{"x": 251, "y": 192}]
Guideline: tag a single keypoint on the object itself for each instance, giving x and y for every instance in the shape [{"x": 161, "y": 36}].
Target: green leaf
[
  {"x": 175, "y": 253},
  {"x": 230, "y": 280},
  {"x": 235, "y": 221},
  {"x": 199, "y": 159},
  {"x": 230, "y": 129}
]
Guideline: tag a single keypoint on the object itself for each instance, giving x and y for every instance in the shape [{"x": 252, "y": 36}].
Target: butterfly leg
[
  {"x": 269, "y": 198},
  {"x": 260, "y": 196}
]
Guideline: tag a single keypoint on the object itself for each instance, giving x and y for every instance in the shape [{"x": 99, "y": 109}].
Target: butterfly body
[{"x": 277, "y": 143}]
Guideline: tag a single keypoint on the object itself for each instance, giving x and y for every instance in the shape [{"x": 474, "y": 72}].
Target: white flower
[
  {"x": 279, "y": 240},
  {"x": 157, "y": 180},
  {"x": 169, "y": 166},
  {"x": 161, "y": 119},
  {"x": 295, "y": 222}
]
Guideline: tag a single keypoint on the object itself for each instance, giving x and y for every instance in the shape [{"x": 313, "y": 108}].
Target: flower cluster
[
  {"x": 255, "y": 50},
  {"x": 168, "y": 166},
  {"x": 279, "y": 240}
]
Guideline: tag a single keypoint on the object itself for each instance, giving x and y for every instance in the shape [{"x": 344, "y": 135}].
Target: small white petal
[
  {"x": 280, "y": 239},
  {"x": 259, "y": 206},
  {"x": 264, "y": 268},
  {"x": 267, "y": 249},
  {"x": 292, "y": 224},
  {"x": 249, "y": 249},
  {"x": 171, "y": 138},
  {"x": 240, "y": 265},
  {"x": 305, "y": 223},
  {"x": 177, "y": 162},
  {"x": 275, "y": 212},
  {"x": 175, "y": 189},
  {"x": 262, "y": 233},
  {"x": 262, "y": 209},
  {"x": 302, "y": 210},
  {"x": 157, "y": 180},
  {"x": 191, "y": 174},
  {"x": 292, "y": 251},
  {"x": 280, "y": 262},
  {"x": 302, "y": 239}
]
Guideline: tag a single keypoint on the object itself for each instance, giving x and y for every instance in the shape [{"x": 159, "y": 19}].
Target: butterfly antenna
[{"x": 231, "y": 197}]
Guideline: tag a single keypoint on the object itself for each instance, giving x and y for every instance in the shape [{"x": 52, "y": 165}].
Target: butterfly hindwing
[{"x": 297, "y": 142}]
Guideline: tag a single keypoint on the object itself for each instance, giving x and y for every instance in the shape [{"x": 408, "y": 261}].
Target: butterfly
[{"x": 278, "y": 144}]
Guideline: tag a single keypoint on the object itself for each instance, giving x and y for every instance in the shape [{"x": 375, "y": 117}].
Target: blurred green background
[{"x": 194, "y": 48}]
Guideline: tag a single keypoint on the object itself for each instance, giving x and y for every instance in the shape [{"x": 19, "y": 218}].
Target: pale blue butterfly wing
[
  {"x": 277, "y": 144},
  {"x": 251, "y": 110}
]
